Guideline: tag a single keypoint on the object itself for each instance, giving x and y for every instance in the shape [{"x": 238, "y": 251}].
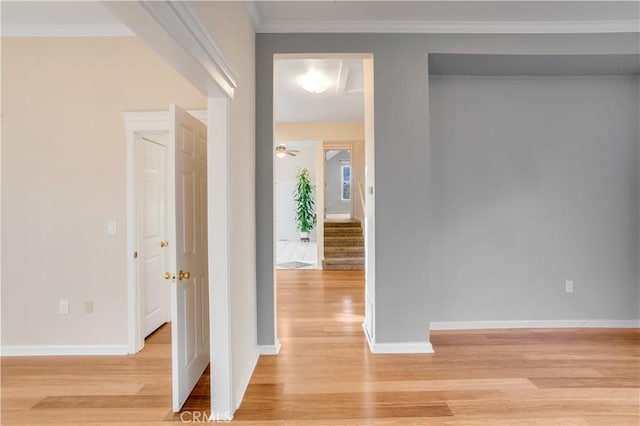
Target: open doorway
[{"x": 327, "y": 100}]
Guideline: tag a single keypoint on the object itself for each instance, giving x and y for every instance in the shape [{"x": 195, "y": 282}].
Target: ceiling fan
[{"x": 281, "y": 151}]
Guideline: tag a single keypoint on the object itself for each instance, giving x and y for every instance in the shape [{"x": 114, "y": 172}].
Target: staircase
[{"x": 343, "y": 245}]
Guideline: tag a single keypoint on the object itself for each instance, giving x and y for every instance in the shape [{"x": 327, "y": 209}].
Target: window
[{"x": 345, "y": 195}]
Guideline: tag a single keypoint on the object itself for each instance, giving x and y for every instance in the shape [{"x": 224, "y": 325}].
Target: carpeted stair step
[
  {"x": 355, "y": 263},
  {"x": 344, "y": 251},
  {"x": 344, "y": 241},
  {"x": 342, "y": 232},
  {"x": 343, "y": 245},
  {"x": 343, "y": 224}
]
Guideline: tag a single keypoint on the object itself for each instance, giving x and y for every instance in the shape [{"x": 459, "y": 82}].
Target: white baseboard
[
  {"x": 53, "y": 350},
  {"x": 399, "y": 347},
  {"x": 270, "y": 349},
  {"x": 403, "y": 348},
  {"x": 246, "y": 378},
  {"x": 478, "y": 325}
]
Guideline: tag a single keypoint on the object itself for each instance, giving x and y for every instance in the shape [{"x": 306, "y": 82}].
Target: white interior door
[
  {"x": 188, "y": 227},
  {"x": 152, "y": 184}
]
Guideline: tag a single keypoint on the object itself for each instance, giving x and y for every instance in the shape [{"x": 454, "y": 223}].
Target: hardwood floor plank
[
  {"x": 587, "y": 382},
  {"x": 103, "y": 401},
  {"x": 479, "y": 385},
  {"x": 326, "y": 375}
]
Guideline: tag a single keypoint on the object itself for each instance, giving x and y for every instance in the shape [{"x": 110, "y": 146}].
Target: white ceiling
[{"x": 342, "y": 101}]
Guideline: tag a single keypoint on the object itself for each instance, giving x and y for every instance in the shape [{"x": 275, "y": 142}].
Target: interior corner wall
[
  {"x": 64, "y": 177},
  {"x": 402, "y": 147},
  {"x": 535, "y": 182}
]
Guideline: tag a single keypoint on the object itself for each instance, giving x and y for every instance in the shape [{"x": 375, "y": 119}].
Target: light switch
[
  {"x": 112, "y": 227},
  {"x": 63, "y": 306}
]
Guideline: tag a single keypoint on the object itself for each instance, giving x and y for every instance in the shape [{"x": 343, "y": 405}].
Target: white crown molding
[
  {"x": 54, "y": 350},
  {"x": 452, "y": 27},
  {"x": 174, "y": 30},
  {"x": 479, "y": 325},
  {"x": 54, "y": 30},
  {"x": 254, "y": 15},
  {"x": 182, "y": 23}
]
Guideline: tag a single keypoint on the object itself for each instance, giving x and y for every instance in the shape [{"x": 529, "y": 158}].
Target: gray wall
[
  {"x": 402, "y": 152},
  {"x": 534, "y": 182},
  {"x": 333, "y": 195}
]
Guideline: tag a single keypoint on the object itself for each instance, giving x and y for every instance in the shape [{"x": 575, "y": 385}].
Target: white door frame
[
  {"x": 175, "y": 31},
  {"x": 369, "y": 196},
  {"x": 137, "y": 123}
]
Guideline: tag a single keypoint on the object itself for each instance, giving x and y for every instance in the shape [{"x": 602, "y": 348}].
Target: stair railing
[{"x": 361, "y": 192}]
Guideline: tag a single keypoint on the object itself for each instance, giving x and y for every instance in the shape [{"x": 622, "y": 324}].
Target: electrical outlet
[
  {"x": 88, "y": 306},
  {"x": 568, "y": 286},
  {"x": 63, "y": 306}
]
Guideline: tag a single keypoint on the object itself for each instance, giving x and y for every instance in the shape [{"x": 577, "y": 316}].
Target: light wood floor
[{"x": 326, "y": 375}]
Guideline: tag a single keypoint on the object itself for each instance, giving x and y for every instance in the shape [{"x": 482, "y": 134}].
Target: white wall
[
  {"x": 535, "y": 181},
  {"x": 63, "y": 177},
  {"x": 286, "y": 170},
  {"x": 230, "y": 27}
]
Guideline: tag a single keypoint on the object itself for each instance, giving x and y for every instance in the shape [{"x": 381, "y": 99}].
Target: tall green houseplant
[{"x": 305, "y": 204}]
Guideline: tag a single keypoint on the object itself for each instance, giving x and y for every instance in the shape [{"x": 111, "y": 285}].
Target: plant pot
[{"x": 304, "y": 237}]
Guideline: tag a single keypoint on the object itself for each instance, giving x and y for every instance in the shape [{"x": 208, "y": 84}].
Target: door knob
[
  {"x": 168, "y": 276},
  {"x": 184, "y": 275},
  {"x": 164, "y": 243}
]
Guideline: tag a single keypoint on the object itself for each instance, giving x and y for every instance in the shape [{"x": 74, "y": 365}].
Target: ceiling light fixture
[
  {"x": 282, "y": 151},
  {"x": 314, "y": 81}
]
